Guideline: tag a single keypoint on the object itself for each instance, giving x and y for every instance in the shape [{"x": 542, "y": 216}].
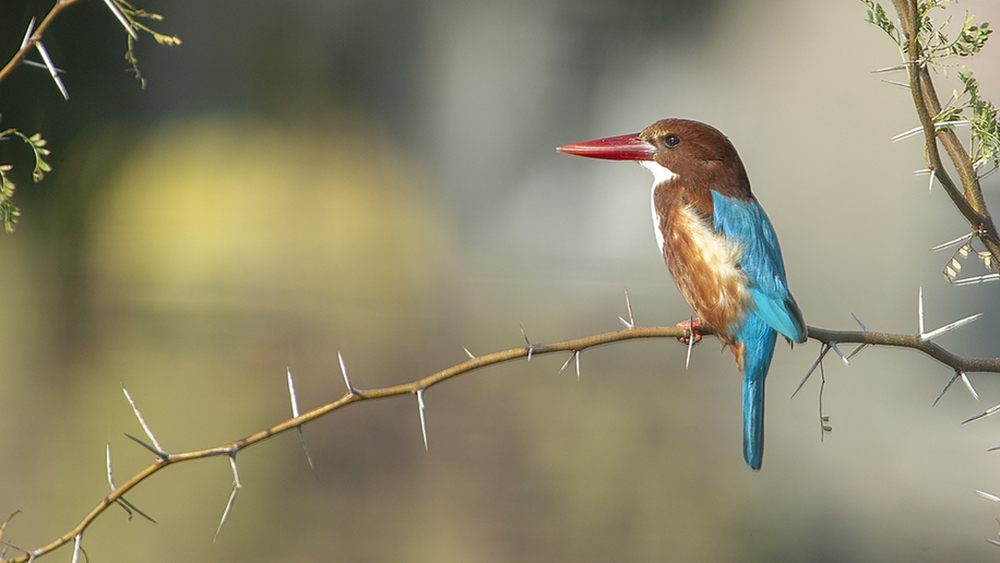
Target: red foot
[{"x": 691, "y": 326}]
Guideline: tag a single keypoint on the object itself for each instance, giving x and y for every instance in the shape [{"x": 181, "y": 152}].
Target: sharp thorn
[
  {"x": 983, "y": 414},
  {"x": 690, "y": 346},
  {"x": 470, "y": 354},
  {"x": 347, "y": 380},
  {"x": 225, "y": 513},
  {"x": 531, "y": 348},
  {"x": 924, "y": 337},
  {"x": 950, "y": 243},
  {"x": 27, "y": 34},
  {"x": 857, "y": 350},
  {"x": 128, "y": 506},
  {"x": 77, "y": 547},
  {"x": 977, "y": 279},
  {"x": 566, "y": 363},
  {"x": 578, "y": 365},
  {"x": 839, "y": 353},
  {"x": 945, "y": 390},
  {"x": 987, "y": 496},
  {"x": 305, "y": 449},
  {"x": 968, "y": 385},
  {"x": 423, "y": 421},
  {"x": 628, "y": 305},
  {"x": 121, "y": 19},
  {"x": 142, "y": 422},
  {"x": 920, "y": 309},
  {"x": 291, "y": 394},
  {"x": 111, "y": 475},
  {"x": 52, "y": 69},
  {"x": 856, "y": 319},
  {"x": 889, "y": 69},
  {"x": 822, "y": 352}
]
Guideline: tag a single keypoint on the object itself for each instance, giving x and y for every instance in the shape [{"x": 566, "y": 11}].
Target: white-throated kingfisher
[{"x": 720, "y": 248}]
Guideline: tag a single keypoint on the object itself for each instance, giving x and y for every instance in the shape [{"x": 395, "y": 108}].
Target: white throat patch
[{"x": 661, "y": 175}]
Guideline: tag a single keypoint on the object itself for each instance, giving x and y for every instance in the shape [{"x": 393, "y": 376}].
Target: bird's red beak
[{"x": 624, "y": 147}]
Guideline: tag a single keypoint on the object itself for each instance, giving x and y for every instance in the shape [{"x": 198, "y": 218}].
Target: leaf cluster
[
  {"x": 135, "y": 17},
  {"x": 935, "y": 45},
  {"x": 8, "y": 212}
]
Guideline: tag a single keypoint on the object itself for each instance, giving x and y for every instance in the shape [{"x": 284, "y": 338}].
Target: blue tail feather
[{"x": 758, "y": 340}]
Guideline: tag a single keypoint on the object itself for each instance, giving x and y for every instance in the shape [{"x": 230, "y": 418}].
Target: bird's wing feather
[{"x": 745, "y": 222}]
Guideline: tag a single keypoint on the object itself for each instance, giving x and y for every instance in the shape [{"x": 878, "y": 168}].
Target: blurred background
[{"x": 379, "y": 178}]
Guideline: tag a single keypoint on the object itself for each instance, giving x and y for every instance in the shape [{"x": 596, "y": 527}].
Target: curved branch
[
  {"x": 969, "y": 200},
  {"x": 575, "y": 346}
]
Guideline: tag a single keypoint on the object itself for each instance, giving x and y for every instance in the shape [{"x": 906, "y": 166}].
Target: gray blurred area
[{"x": 379, "y": 179}]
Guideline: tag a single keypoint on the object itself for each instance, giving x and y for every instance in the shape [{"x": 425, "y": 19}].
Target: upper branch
[
  {"x": 968, "y": 200},
  {"x": 16, "y": 60}
]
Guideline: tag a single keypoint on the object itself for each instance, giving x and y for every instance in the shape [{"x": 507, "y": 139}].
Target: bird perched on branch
[{"x": 720, "y": 248}]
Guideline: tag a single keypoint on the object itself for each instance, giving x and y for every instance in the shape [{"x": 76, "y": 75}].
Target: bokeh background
[{"x": 379, "y": 178}]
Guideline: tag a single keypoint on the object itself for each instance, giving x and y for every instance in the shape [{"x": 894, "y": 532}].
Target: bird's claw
[{"x": 691, "y": 327}]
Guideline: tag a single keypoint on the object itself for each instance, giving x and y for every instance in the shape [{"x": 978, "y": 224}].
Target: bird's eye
[{"x": 672, "y": 140}]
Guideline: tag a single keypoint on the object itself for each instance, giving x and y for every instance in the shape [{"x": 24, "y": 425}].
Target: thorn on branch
[
  {"x": 52, "y": 69},
  {"x": 121, "y": 19},
  {"x": 690, "y": 346},
  {"x": 531, "y": 347},
  {"x": 347, "y": 380},
  {"x": 839, "y": 353},
  {"x": 819, "y": 359},
  {"x": 945, "y": 390},
  {"x": 960, "y": 240},
  {"x": 237, "y": 485},
  {"x": 470, "y": 354},
  {"x": 423, "y": 420},
  {"x": 295, "y": 414},
  {"x": 988, "y": 496},
  {"x": 157, "y": 449},
  {"x": 630, "y": 323},
  {"x": 920, "y": 309},
  {"x": 984, "y": 414},
  {"x": 928, "y": 336},
  {"x": 568, "y": 360},
  {"x": 77, "y": 547}
]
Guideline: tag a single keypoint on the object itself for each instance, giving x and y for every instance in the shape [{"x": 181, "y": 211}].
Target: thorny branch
[
  {"x": 18, "y": 58},
  {"x": 969, "y": 199},
  {"x": 919, "y": 342}
]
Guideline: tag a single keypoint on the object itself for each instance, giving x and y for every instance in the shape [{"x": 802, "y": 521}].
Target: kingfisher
[{"x": 719, "y": 246}]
